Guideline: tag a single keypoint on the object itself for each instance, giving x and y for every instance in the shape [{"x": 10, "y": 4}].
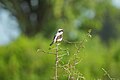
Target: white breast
[{"x": 59, "y": 39}]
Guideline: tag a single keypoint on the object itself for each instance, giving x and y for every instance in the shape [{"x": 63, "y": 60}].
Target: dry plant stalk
[
  {"x": 106, "y": 73},
  {"x": 70, "y": 67},
  {"x": 56, "y": 63}
]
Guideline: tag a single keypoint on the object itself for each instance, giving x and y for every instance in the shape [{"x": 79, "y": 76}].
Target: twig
[
  {"x": 106, "y": 73},
  {"x": 56, "y": 63},
  {"x": 43, "y": 51},
  {"x": 70, "y": 42}
]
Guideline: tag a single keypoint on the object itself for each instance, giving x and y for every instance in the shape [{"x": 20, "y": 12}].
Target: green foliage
[{"x": 20, "y": 60}]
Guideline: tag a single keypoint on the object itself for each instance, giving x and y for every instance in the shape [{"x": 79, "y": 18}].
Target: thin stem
[
  {"x": 56, "y": 63},
  {"x": 106, "y": 73}
]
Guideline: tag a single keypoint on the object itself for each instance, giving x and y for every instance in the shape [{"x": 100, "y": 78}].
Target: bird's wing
[{"x": 55, "y": 37}]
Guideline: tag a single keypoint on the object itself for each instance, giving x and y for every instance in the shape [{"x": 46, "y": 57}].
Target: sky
[
  {"x": 9, "y": 27},
  {"x": 116, "y": 3}
]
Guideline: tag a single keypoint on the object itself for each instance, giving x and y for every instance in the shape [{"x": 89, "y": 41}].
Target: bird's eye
[{"x": 59, "y": 31}]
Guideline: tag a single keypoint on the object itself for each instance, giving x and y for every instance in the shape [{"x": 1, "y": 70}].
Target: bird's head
[{"x": 60, "y": 31}]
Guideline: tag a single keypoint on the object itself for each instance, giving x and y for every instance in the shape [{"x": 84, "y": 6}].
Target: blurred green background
[{"x": 29, "y": 25}]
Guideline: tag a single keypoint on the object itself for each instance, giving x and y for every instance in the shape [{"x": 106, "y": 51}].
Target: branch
[
  {"x": 106, "y": 73},
  {"x": 56, "y": 63}
]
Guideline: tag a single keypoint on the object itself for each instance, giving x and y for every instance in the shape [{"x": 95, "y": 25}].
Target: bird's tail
[{"x": 51, "y": 43}]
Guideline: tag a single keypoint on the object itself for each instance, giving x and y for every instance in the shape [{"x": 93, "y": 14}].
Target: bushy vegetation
[{"x": 21, "y": 61}]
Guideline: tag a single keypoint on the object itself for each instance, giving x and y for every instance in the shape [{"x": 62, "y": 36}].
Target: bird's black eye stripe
[{"x": 60, "y": 31}]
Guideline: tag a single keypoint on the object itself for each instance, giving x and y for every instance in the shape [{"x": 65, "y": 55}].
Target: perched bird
[{"x": 58, "y": 37}]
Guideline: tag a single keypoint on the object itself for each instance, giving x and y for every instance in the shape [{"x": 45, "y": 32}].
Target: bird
[{"x": 58, "y": 37}]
